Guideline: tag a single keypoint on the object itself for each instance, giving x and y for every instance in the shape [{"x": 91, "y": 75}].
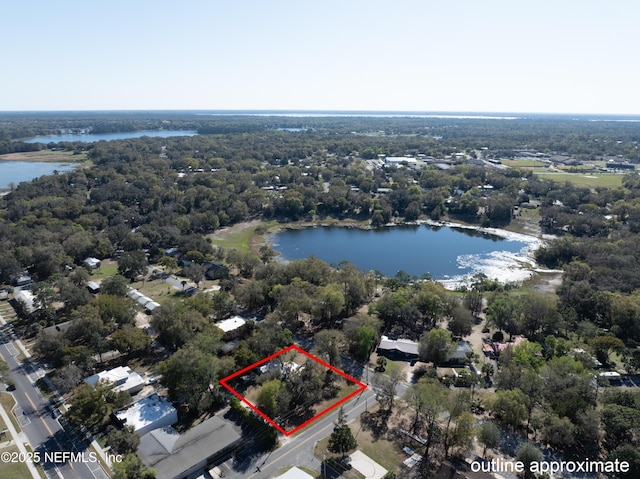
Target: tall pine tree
[{"x": 341, "y": 439}]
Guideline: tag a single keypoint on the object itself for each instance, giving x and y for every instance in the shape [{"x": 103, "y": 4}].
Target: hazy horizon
[
  {"x": 506, "y": 115},
  {"x": 571, "y": 57}
]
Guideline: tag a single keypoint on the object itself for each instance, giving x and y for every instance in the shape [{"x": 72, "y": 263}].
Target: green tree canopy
[
  {"x": 436, "y": 346},
  {"x": 190, "y": 375},
  {"x": 341, "y": 439},
  {"x": 267, "y": 400}
]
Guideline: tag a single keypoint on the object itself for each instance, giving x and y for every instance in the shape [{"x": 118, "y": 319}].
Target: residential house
[
  {"x": 232, "y": 327},
  {"x": 398, "y": 348},
  {"x": 144, "y": 301},
  {"x": 493, "y": 349},
  {"x": 23, "y": 279},
  {"x": 93, "y": 263},
  {"x": 27, "y": 300},
  {"x": 461, "y": 355},
  {"x": 214, "y": 270},
  {"x": 122, "y": 378}
]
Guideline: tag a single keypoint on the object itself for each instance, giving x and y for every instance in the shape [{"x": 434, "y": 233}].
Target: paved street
[
  {"x": 297, "y": 450},
  {"x": 44, "y": 432}
]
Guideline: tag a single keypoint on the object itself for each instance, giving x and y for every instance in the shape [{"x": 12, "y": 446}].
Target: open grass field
[
  {"x": 607, "y": 180},
  {"x": 241, "y": 236},
  {"x": 46, "y": 155},
  {"x": 524, "y": 163}
]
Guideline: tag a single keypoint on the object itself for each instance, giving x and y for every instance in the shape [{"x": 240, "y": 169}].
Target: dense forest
[{"x": 141, "y": 197}]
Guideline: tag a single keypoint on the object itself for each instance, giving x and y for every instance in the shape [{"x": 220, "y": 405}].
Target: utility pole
[{"x": 324, "y": 465}]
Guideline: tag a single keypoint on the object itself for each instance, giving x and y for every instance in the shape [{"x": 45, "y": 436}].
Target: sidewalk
[
  {"x": 20, "y": 440},
  {"x": 21, "y": 437}
]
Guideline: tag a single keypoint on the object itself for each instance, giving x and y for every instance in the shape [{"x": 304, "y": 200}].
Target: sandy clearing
[{"x": 229, "y": 230}]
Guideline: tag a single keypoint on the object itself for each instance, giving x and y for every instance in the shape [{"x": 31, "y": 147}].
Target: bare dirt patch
[{"x": 224, "y": 233}]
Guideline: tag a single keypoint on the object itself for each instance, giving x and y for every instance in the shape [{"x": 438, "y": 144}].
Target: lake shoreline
[{"x": 522, "y": 268}]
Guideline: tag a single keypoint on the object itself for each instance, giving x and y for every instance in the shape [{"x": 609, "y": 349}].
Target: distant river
[
  {"x": 447, "y": 253},
  {"x": 92, "y": 137}
]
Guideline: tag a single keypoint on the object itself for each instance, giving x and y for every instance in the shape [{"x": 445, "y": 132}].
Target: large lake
[
  {"x": 14, "y": 172},
  {"x": 447, "y": 253},
  {"x": 18, "y": 171},
  {"x": 91, "y": 137}
]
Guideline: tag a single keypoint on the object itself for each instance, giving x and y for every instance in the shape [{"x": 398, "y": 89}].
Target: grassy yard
[
  {"x": 527, "y": 222},
  {"x": 107, "y": 268},
  {"x": 382, "y": 451},
  {"x": 13, "y": 470},
  {"x": 392, "y": 366},
  {"x": 157, "y": 289},
  {"x": 7, "y": 401}
]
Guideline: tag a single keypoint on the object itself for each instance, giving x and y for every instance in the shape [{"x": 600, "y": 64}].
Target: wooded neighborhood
[{"x": 148, "y": 273}]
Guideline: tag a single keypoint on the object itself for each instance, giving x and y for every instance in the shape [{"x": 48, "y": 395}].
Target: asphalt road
[
  {"x": 45, "y": 433},
  {"x": 297, "y": 450}
]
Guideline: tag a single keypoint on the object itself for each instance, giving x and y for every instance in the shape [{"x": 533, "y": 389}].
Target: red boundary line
[{"x": 223, "y": 382}]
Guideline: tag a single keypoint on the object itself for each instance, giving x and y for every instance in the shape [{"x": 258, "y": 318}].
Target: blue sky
[{"x": 556, "y": 56}]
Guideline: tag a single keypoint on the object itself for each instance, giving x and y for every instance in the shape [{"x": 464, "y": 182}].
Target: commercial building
[
  {"x": 147, "y": 414},
  {"x": 174, "y": 456}
]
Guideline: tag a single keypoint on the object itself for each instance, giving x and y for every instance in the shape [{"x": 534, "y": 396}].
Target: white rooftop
[
  {"x": 399, "y": 159},
  {"x": 27, "y": 298},
  {"x": 366, "y": 466},
  {"x": 151, "y": 412},
  {"x": 92, "y": 262},
  {"x": 121, "y": 377},
  {"x": 231, "y": 324},
  {"x": 295, "y": 473}
]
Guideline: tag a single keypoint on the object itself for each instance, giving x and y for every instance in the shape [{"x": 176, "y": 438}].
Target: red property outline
[{"x": 223, "y": 382}]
